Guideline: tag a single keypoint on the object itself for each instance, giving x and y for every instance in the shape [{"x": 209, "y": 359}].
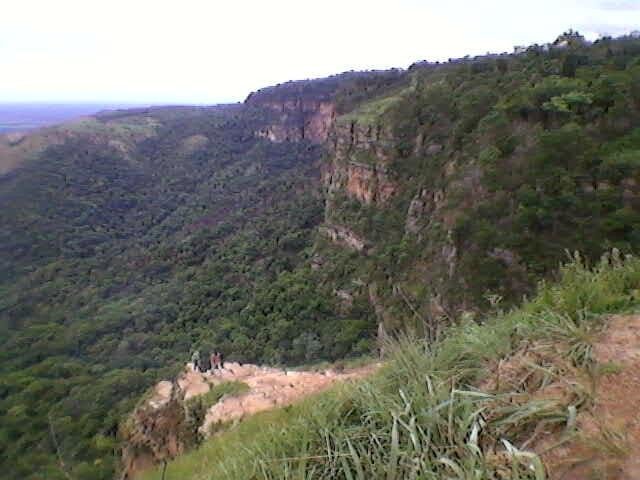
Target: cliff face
[
  {"x": 308, "y": 109},
  {"x": 299, "y": 119},
  {"x": 342, "y": 235},
  {"x": 462, "y": 183},
  {"x": 299, "y": 111},
  {"x": 357, "y": 163},
  {"x": 361, "y": 181},
  {"x": 156, "y": 431}
]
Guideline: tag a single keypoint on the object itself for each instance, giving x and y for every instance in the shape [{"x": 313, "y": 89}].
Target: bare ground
[
  {"x": 606, "y": 444},
  {"x": 269, "y": 388}
]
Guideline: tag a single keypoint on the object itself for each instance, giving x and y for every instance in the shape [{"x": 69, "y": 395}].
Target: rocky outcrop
[
  {"x": 156, "y": 431},
  {"x": 359, "y": 156},
  {"x": 366, "y": 183},
  {"x": 350, "y": 136},
  {"x": 302, "y": 110},
  {"x": 307, "y": 109},
  {"x": 420, "y": 209},
  {"x": 299, "y": 119},
  {"x": 345, "y": 298},
  {"x": 268, "y": 388},
  {"x": 163, "y": 426},
  {"x": 358, "y": 152},
  {"x": 344, "y": 236}
]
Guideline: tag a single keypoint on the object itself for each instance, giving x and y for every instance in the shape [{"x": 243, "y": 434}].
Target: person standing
[
  {"x": 205, "y": 364},
  {"x": 195, "y": 359},
  {"x": 214, "y": 361}
]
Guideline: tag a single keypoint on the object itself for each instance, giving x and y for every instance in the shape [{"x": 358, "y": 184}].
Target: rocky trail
[
  {"x": 604, "y": 443},
  {"x": 268, "y": 388},
  {"x": 157, "y": 430}
]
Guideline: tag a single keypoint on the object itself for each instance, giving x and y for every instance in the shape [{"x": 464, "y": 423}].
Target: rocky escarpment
[
  {"x": 298, "y": 120},
  {"x": 369, "y": 205},
  {"x": 422, "y": 207},
  {"x": 358, "y": 165},
  {"x": 344, "y": 236},
  {"x": 176, "y": 416},
  {"x": 359, "y": 152},
  {"x": 448, "y": 183},
  {"x": 156, "y": 431},
  {"x": 303, "y": 110},
  {"x": 308, "y": 109},
  {"x": 356, "y": 169}
]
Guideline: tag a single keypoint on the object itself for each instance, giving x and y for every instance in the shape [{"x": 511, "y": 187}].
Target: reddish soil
[
  {"x": 268, "y": 388},
  {"x": 607, "y": 442}
]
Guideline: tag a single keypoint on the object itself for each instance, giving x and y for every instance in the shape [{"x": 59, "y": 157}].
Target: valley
[{"x": 421, "y": 215}]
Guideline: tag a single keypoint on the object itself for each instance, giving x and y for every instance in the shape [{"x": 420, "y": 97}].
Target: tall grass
[{"x": 422, "y": 416}]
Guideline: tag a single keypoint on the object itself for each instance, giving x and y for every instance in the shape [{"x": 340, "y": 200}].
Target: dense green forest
[
  {"x": 138, "y": 235},
  {"x": 142, "y": 236},
  {"x": 499, "y": 166}
]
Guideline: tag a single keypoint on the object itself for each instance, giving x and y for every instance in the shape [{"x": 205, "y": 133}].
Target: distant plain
[{"x": 19, "y": 117}]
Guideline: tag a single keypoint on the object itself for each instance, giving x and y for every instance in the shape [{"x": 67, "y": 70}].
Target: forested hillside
[
  {"x": 296, "y": 227},
  {"x": 135, "y": 237},
  {"x": 463, "y": 186}
]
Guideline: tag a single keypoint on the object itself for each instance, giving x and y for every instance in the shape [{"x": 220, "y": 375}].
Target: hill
[
  {"x": 121, "y": 244},
  {"x": 307, "y": 224},
  {"x": 177, "y": 415},
  {"x": 465, "y": 184},
  {"x": 24, "y": 116},
  {"x": 547, "y": 390}
]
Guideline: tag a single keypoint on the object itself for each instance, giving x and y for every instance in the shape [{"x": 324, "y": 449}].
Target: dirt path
[
  {"x": 155, "y": 430},
  {"x": 269, "y": 388},
  {"x": 608, "y": 441}
]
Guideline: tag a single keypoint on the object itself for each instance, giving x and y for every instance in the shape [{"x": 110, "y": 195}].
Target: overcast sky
[{"x": 210, "y": 51}]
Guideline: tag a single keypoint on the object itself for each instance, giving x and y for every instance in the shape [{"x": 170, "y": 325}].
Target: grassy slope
[{"x": 422, "y": 416}]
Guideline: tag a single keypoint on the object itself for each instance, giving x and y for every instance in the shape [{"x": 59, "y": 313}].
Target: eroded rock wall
[
  {"x": 156, "y": 431},
  {"x": 358, "y": 163}
]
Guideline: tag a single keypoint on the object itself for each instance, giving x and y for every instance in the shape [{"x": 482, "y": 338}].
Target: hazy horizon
[
  {"x": 199, "y": 53},
  {"x": 101, "y": 102}
]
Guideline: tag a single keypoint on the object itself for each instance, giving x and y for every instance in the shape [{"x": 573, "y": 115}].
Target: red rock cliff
[{"x": 302, "y": 110}]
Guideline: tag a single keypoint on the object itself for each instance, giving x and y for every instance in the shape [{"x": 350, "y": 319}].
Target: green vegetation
[
  {"x": 423, "y": 415},
  {"x": 511, "y": 160},
  {"x": 124, "y": 247},
  {"x": 135, "y": 237},
  {"x": 196, "y": 407},
  {"x": 230, "y": 388},
  {"x": 370, "y": 111}
]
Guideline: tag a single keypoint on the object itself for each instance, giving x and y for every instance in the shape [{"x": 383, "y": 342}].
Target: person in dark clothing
[
  {"x": 221, "y": 361},
  {"x": 205, "y": 364}
]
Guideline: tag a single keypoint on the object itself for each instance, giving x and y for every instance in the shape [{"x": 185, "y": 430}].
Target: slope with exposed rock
[
  {"x": 545, "y": 391},
  {"x": 303, "y": 225},
  {"x": 166, "y": 423},
  {"x": 467, "y": 181}
]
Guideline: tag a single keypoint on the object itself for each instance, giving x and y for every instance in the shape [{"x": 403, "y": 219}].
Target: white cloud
[{"x": 210, "y": 51}]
